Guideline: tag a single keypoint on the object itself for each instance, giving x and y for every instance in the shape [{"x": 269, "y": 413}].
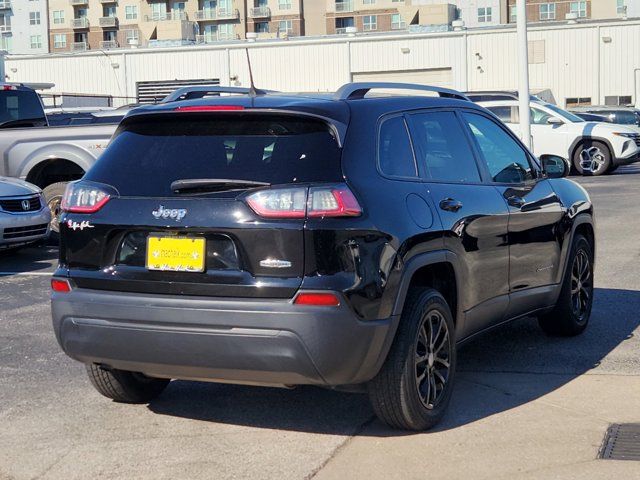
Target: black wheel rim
[
  {"x": 432, "y": 358},
  {"x": 581, "y": 285}
]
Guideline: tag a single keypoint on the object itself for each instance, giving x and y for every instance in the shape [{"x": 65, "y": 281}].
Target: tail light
[
  {"x": 303, "y": 202},
  {"x": 60, "y": 285},
  {"x": 85, "y": 197}
]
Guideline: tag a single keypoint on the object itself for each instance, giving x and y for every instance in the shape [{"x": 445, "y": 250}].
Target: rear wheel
[
  {"x": 592, "y": 158},
  {"x": 123, "y": 386},
  {"x": 53, "y": 196},
  {"x": 413, "y": 388},
  {"x": 572, "y": 311}
]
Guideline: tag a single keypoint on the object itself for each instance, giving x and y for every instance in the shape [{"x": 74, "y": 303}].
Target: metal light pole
[{"x": 523, "y": 61}]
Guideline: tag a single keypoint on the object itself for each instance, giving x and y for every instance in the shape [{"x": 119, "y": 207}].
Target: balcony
[
  {"x": 5, "y": 29},
  {"x": 108, "y": 22},
  {"x": 78, "y": 3},
  {"x": 165, "y": 16},
  {"x": 206, "y": 39},
  {"x": 108, "y": 1},
  {"x": 79, "y": 46},
  {"x": 260, "y": 12},
  {"x": 108, "y": 45},
  {"x": 80, "y": 23},
  {"x": 225, "y": 14},
  {"x": 208, "y": 14},
  {"x": 5, "y": 5},
  {"x": 344, "y": 6},
  {"x": 341, "y": 31}
]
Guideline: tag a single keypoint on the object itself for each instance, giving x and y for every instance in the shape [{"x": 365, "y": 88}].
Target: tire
[
  {"x": 53, "y": 196},
  {"x": 597, "y": 153},
  {"x": 571, "y": 314},
  {"x": 125, "y": 387},
  {"x": 398, "y": 395}
]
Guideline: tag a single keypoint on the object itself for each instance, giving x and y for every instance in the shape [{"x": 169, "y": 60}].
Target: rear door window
[
  {"x": 395, "y": 154},
  {"x": 506, "y": 160},
  {"x": 442, "y": 148},
  {"x": 149, "y": 152}
]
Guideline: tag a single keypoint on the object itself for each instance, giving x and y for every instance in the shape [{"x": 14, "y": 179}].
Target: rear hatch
[{"x": 177, "y": 219}]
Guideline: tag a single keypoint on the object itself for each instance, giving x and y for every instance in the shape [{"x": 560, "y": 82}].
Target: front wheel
[
  {"x": 571, "y": 314},
  {"x": 592, "y": 158},
  {"x": 413, "y": 388}
]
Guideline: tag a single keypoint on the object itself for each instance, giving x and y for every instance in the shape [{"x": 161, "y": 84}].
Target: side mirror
[
  {"x": 554, "y": 167},
  {"x": 555, "y": 121}
]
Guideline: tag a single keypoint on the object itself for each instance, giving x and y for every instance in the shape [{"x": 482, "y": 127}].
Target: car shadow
[
  {"x": 517, "y": 348},
  {"x": 28, "y": 259}
]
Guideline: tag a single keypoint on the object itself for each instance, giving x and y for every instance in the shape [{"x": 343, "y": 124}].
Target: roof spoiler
[
  {"x": 200, "y": 91},
  {"x": 357, "y": 90}
]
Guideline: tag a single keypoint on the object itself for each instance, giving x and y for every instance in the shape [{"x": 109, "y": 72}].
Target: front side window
[
  {"x": 503, "y": 113},
  {"x": 506, "y": 160},
  {"x": 395, "y": 155},
  {"x": 484, "y": 14},
  {"x": 539, "y": 117},
  {"x": 442, "y": 148}
]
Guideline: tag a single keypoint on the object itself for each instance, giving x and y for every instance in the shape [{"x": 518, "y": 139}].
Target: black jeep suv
[{"x": 348, "y": 240}]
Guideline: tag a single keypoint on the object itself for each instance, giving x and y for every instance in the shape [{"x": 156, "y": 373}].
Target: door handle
[
  {"x": 516, "y": 201},
  {"x": 450, "y": 205}
]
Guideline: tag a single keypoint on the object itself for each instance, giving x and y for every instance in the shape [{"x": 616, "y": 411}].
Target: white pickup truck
[{"x": 48, "y": 157}]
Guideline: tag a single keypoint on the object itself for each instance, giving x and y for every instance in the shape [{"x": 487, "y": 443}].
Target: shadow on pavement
[
  {"x": 519, "y": 347},
  {"x": 28, "y": 259}
]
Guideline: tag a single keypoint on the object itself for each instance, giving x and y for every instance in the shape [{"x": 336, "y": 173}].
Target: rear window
[
  {"x": 152, "y": 151},
  {"x": 19, "y": 105}
]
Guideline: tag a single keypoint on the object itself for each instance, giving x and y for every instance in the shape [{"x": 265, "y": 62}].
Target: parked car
[
  {"x": 592, "y": 148},
  {"x": 591, "y": 117},
  {"x": 24, "y": 216},
  {"x": 346, "y": 241},
  {"x": 64, "y": 117},
  {"x": 541, "y": 95},
  {"x": 621, "y": 115}
]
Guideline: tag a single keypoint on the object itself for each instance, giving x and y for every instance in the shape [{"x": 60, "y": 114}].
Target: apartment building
[
  {"x": 364, "y": 15},
  {"x": 555, "y": 10},
  {"x": 23, "y": 26}
]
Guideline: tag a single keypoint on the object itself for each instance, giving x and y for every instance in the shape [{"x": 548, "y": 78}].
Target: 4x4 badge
[{"x": 176, "y": 214}]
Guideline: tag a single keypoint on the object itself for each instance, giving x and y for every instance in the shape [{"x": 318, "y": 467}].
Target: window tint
[
  {"x": 506, "y": 160},
  {"x": 442, "y": 147},
  {"x": 20, "y": 105},
  {"x": 394, "y": 149},
  {"x": 266, "y": 148},
  {"x": 539, "y": 117}
]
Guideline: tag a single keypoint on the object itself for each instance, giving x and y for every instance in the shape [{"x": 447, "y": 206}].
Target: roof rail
[
  {"x": 355, "y": 90},
  {"x": 200, "y": 91}
]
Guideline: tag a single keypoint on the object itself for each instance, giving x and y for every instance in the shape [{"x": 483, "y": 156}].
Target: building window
[
  {"x": 396, "y": 22},
  {"x": 59, "y": 40},
  {"x": 368, "y": 2},
  {"x": 579, "y": 8},
  {"x": 547, "y": 11},
  {"x": 370, "y": 22},
  {"x": 58, "y": 17},
  {"x": 36, "y": 41},
  {"x": 285, "y": 26},
  {"x": 226, "y": 32},
  {"x": 615, "y": 100},
  {"x": 284, "y": 4},
  {"x": 343, "y": 23},
  {"x": 578, "y": 102},
  {"x": 262, "y": 27},
  {"x": 513, "y": 14},
  {"x": 621, "y": 8},
  {"x": 484, "y": 14},
  {"x": 132, "y": 37},
  {"x": 131, "y": 12},
  {"x": 34, "y": 18}
]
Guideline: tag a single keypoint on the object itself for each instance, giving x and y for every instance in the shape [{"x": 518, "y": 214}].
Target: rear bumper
[{"x": 245, "y": 341}]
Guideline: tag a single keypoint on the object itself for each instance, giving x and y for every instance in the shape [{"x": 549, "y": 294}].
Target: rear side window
[
  {"x": 506, "y": 160},
  {"x": 18, "y": 105},
  {"x": 394, "y": 149},
  {"x": 150, "y": 152},
  {"x": 442, "y": 147}
]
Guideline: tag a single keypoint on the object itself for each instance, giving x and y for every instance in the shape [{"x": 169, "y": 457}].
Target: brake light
[
  {"x": 9, "y": 87},
  {"x": 82, "y": 197},
  {"x": 317, "y": 299},
  {"x": 302, "y": 202},
  {"x": 61, "y": 286},
  {"x": 209, "y": 108}
]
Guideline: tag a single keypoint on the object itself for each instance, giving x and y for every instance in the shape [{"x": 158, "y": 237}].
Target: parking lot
[{"x": 525, "y": 405}]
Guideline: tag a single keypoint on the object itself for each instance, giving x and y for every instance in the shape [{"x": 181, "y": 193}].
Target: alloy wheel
[
  {"x": 432, "y": 358},
  {"x": 581, "y": 285},
  {"x": 54, "y": 206},
  {"x": 592, "y": 159}
]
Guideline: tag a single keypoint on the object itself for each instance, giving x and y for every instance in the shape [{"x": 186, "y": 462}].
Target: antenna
[{"x": 252, "y": 90}]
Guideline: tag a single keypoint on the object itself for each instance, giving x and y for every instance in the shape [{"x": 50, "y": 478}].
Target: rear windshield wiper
[{"x": 204, "y": 185}]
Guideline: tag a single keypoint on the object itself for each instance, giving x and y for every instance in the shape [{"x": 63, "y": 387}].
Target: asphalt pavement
[{"x": 525, "y": 405}]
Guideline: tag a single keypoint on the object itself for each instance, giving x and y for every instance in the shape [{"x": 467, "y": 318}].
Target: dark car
[
  {"x": 619, "y": 115},
  {"x": 346, "y": 241}
]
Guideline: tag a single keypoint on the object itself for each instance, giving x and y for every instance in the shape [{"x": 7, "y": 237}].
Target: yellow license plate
[{"x": 175, "y": 254}]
